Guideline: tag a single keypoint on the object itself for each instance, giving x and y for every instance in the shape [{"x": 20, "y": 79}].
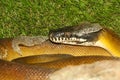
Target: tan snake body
[{"x": 40, "y": 71}]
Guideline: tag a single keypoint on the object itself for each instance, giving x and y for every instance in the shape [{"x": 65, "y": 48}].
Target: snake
[{"x": 74, "y": 45}]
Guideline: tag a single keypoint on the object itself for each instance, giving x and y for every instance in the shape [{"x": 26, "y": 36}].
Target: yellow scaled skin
[{"x": 110, "y": 41}]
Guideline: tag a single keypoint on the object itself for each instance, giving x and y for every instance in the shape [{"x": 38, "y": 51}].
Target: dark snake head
[{"x": 84, "y": 34}]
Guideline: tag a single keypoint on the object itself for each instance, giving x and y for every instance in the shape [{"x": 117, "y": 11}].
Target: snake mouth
[
  {"x": 86, "y": 35},
  {"x": 66, "y": 40}
]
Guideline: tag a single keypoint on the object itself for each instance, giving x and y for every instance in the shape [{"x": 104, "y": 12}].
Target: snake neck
[{"x": 110, "y": 41}]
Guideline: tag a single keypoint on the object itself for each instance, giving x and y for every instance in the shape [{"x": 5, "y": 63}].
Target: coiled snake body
[{"x": 82, "y": 44}]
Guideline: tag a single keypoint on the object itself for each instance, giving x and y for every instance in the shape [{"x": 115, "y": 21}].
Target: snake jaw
[
  {"x": 85, "y": 34},
  {"x": 67, "y": 40}
]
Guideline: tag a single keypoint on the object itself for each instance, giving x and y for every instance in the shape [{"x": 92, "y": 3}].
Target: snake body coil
[{"x": 81, "y": 44}]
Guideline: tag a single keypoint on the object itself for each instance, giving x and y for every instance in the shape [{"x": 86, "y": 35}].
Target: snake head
[{"x": 84, "y": 34}]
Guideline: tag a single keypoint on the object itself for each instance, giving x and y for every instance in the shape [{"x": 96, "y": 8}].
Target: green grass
[{"x": 37, "y": 17}]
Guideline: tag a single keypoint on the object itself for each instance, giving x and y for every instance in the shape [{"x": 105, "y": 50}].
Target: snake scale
[{"x": 75, "y": 45}]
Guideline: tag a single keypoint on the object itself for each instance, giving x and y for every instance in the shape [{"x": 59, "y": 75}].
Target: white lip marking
[
  {"x": 50, "y": 38},
  {"x": 67, "y": 39},
  {"x": 73, "y": 38},
  {"x": 60, "y": 39},
  {"x": 82, "y": 40},
  {"x": 63, "y": 38}
]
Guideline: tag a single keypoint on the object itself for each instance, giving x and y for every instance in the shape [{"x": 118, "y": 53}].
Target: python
[
  {"x": 81, "y": 44},
  {"x": 88, "y": 35}
]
